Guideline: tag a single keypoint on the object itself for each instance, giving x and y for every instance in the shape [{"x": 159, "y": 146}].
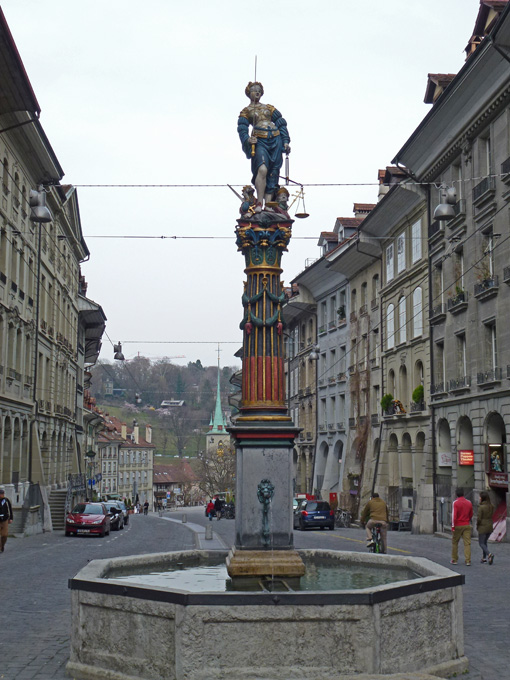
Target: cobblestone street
[{"x": 36, "y": 599}]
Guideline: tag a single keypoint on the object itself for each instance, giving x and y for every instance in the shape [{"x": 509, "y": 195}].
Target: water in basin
[{"x": 319, "y": 576}]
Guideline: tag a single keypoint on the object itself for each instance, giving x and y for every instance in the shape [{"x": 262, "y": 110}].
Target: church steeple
[{"x": 218, "y": 423}]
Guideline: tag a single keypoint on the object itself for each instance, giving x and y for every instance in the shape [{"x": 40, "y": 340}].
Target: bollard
[
  {"x": 208, "y": 532},
  {"x": 184, "y": 519}
]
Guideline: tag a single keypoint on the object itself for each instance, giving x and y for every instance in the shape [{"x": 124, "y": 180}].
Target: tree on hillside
[
  {"x": 180, "y": 428},
  {"x": 217, "y": 471}
]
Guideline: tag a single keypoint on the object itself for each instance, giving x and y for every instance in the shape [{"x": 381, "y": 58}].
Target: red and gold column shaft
[{"x": 263, "y": 385}]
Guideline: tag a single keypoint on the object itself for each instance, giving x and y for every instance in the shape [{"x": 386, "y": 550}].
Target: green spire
[{"x": 218, "y": 424}]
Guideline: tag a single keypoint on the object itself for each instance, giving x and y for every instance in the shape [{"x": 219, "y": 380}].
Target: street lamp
[{"x": 91, "y": 455}]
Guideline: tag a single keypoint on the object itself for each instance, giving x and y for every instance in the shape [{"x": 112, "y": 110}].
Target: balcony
[
  {"x": 362, "y": 420},
  {"x": 438, "y": 314},
  {"x": 3, "y": 278},
  {"x": 437, "y": 389},
  {"x": 390, "y": 411},
  {"x": 301, "y": 437},
  {"x": 436, "y": 231},
  {"x": 308, "y": 391},
  {"x": 487, "y": 288},
  {"x": 460, "y": 384},
  {"x": 331, "y": 380},
  {"x": 13, "y": 375},
  {"x": 374, "y": 363},
  {"x": 363, "y": 310},
  {"x": 352, "y": 369},
  {"x": 331, "y": 325},
  {"x": 323, "y": 427},
  {"x": 341, "y": 377},
  {"x": 374, "y": 419},
  {"x": 458, "y": 303},
  {"x": 309, "y": 437},
  {"x": 483, "y": 191},
  {"x": 321, "y": 382},
  {"x": 490, "y": 377},
  {"x": 353, "y": 316},
  {"x": 331, "y": 426},
  {"x": 417, "y": 407},
  {"x": 374, "y": 304},
  {"x": 322, "y": 329},
  {"x": 352, "y": 422},
  {"x": 506, "y": 275},
  {"x": 460, "y": 214},
  {"x": 505, "y": 171},
  {"x": 340, "y": 426}
]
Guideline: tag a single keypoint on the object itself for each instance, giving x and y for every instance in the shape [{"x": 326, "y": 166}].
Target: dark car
[
  {"x": 116, "y": 515},
  {"x": 125, "y": 513},
  {"x": 88, "y": 519},
  {"x": 312, "y": 514}
]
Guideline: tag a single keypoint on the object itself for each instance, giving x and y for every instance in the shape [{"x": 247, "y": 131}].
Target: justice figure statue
[{"x": 268, "y": 141}]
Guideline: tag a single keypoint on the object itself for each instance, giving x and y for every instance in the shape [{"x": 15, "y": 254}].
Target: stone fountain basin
[{"x": 131, "y": 632}]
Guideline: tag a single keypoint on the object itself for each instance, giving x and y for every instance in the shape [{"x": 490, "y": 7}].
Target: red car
[{"x": 88, "y": 519}]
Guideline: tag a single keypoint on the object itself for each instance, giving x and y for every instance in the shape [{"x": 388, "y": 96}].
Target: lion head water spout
[{"x": 265, "y": 493}]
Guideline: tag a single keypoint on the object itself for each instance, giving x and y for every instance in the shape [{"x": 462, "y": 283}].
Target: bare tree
[{"x": 217, "y": 471}]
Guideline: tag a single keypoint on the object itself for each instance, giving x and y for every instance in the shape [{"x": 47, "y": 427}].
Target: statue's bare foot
[{"x": 258, "y": 209}]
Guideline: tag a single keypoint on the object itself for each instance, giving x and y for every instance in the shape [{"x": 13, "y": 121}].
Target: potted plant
[
  {"x": 418, "y": 394},
  {"x": 386, "y": 402},
  {"x": 341, "y": 312}
]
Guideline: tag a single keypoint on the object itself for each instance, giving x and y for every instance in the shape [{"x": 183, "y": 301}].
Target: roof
[
  {"x": 350, "y": 221},
  {"x": 170, "y": 474},
  {"x": 16, "y": 93},
  {"x": 114, "y": 425},
  {"x": 436, "y": 84},
  {"x": 218, "y": 423},
  {"x": 363, "y": 207}
]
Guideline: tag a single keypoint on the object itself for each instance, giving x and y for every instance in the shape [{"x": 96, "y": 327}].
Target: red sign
[
  {"x": 498, "y": 479},
  {"x": 466, "y": 457},
  {"x": 333, "y": 498}
]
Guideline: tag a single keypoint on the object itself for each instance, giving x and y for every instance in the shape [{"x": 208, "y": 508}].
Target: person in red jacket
[{"x": 462, "y": 512}]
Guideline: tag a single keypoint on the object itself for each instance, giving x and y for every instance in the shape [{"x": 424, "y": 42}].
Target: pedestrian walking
[
  {"x": 5, "y": 518},
  {"x": 146, "y": 508},
  {"x": 218, "y": 505},
  {"x": 462, "y": 514},
  {"x": 484, "y": 526},
  {"x": 209, "y": 510}
]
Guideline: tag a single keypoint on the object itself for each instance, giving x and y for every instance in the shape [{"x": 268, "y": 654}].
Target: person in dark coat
[
  {"x": 218, "y": 505},
  {"x": 484, "y": 526},
  {"x": 6, "y": 518}
]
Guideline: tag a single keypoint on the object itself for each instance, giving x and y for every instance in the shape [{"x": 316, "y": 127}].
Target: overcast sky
[{"x": 149, "y": 93}]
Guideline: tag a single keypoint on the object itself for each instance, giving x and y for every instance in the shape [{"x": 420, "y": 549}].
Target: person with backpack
[
  {"x": 462, "y": 512},
  {"x": 6, "y": 518}
]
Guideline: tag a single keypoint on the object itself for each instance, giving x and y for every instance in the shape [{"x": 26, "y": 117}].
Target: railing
[
  {"x": 342, "y": 319},
  {"x": 341, "y": 376},
  {"x": 458, "y": 301},
  {"x": 14, "y": 375},
  {"x": 505, "y": 167},
  {"x": 487, "y": 184},
  {"x": 331, "y": 324},
  {"x": 352, "y": 369},
  {"x": 486, "y": 288},
  {"x": 374, "y": 419},
  {"x": 309, "y": 437},
  {"x": 460, "y": 207},
  {"x": 363, "y": 310},
  {"x": 490, "y": 376},
  {"x": 353, "y": 316},
  {"x": 463, "y": 383},
  {"x": 435, "y": 228},
  {"x": 321, "y": 382},
  {"x": 308, "y": 391},
  {"x": 437, "y": 388},
  {"x": 331, "y": 379},
  {"x": 417, "y": 406},
  {"x": 29, "y": 380},
  {"x": 438, "y": 312},
  {"x": 374, "y": 303},
  {"x": 352, "y": 422},
  {"x": 3, "y": 278},
  {"x": 390, "y": 411},
  {"x": 322, "y": 329},
  {"x": 506, "y": 274},
  {"x": 331, "y": 426},
  {"x": 340, "y": 426},
  {"x": 362, "y": 420}
]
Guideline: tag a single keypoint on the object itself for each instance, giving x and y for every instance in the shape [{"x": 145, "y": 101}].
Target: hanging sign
[
  {"x": 444, "y": 459},
  {"x": 498, "y": 480},
  {"x": 466, "y": 457}
]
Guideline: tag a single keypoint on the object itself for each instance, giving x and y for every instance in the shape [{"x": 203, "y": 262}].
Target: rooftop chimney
[
  {"x": 136, "y": 434},
  {"x": 148, "y": 434},
  {"x": 123, "y": 430}
]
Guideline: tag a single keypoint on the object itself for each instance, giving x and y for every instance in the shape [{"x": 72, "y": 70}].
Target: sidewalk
[{"x": 202, "y": 543}]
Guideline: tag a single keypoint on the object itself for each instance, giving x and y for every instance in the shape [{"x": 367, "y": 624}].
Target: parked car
[
  {"x": 311, "y": 514},
  {"x": 88, "y": 518},
  {"x": 116, "y": 515},
  {"x": 124, "y": 509}
]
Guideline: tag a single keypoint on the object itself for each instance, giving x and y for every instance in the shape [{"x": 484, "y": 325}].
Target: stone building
[
  {"x": 41, "y": 357},
  {"x": 464, "y": 142}
]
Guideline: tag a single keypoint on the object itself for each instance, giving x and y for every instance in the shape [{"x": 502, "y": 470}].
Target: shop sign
[
  {"x": 498, "y": 480},
  {"x": 466, "y": 457},
  {"x": 444, "y": 459}
]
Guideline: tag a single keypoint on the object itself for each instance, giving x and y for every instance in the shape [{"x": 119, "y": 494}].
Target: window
[
  {"x": 401, "y": 253},
  {"x": 458, "y": 270},
  {"x": 490, "y": 349},
  {"x": 389, "y": 263},
  {"x": 461, "y": 356},
  {"x": 457, "y": 180},
  {"x": 363, "y": 300},
  {"x": 439, "y": 367},
  {"x": 390, "y": 327},
  {"x": 402, "y": 321},
  {"x": 437, "y": 284},
  {"x": 375, "y": 288},
  {"x": 487, "y": 264},
  {"x": 416, "y": 241},
  {"x": 417, "y": 312}
]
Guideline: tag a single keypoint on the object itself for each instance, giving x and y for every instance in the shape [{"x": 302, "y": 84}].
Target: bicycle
[
  {"x": 342, "y": 518},
  {"x": 377, "y": 545}
]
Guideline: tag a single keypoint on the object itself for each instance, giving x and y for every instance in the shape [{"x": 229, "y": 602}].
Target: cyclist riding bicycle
[{"x": 376, "y": 512}]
